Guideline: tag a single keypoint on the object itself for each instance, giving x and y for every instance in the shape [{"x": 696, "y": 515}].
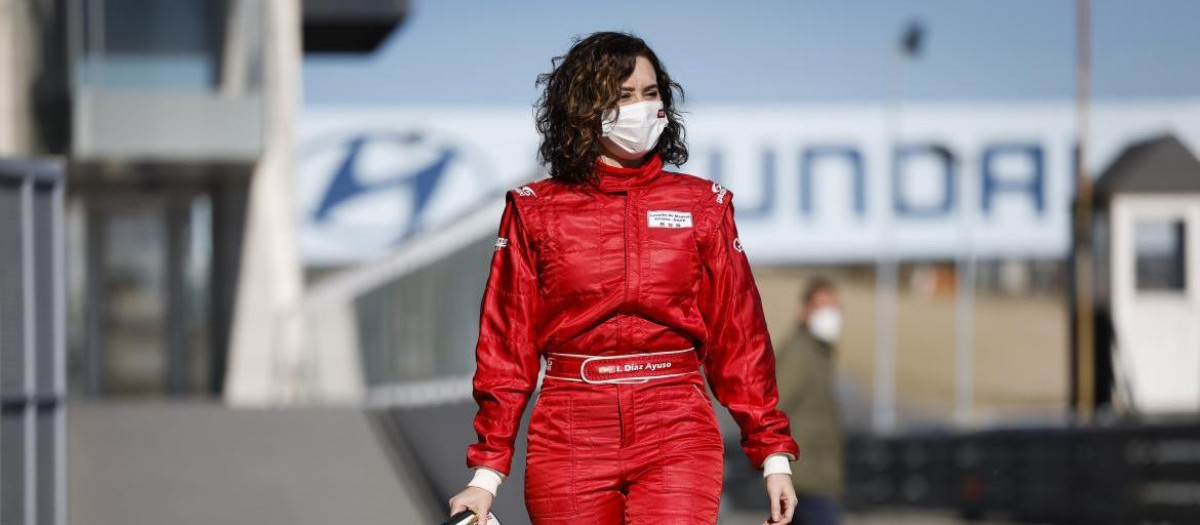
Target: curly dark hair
[{"x": 582, "y": 85}]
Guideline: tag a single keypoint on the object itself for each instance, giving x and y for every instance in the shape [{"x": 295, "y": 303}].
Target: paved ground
[
  {"x": 199, "y": 463},
  {"x": 898, "y": 517}
]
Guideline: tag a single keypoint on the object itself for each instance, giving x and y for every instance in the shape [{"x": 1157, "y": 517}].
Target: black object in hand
[{"x": 466, "y": 517}]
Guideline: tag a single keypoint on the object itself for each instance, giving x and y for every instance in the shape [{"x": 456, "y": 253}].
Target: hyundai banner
[{"x": 811, "y": 183}]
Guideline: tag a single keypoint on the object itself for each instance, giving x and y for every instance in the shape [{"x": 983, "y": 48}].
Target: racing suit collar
[{"x": 618, "y": 179}]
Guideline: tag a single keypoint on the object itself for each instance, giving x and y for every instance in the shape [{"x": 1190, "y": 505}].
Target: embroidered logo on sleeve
[
  {"x": 720, "y": 191},
  {"x": 526, "y": 191},
  {"x": 501, "y": 242},
  {"x": 668, "y": 219}
]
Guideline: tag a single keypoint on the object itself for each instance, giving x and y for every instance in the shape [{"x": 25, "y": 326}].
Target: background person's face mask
[
  {"x": 634, "y": 130},
  {"x": 825, "y": 323}
]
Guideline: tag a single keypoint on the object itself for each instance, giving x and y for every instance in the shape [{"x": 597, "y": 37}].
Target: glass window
[
  {"x": 167, "y": 45},
  {"x": 1160, "y": 254}
]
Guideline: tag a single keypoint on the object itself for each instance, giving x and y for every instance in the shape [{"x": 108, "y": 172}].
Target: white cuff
[
  {"x": 486, "y": 479},
  {"x": 777, "y": 463}
]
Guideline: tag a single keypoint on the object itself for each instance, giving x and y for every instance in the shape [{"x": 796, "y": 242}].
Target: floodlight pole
[{"x": 887, "y": 265}]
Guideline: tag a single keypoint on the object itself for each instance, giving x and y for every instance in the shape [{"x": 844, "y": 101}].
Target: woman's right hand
[{"x": 474, "y": 498}]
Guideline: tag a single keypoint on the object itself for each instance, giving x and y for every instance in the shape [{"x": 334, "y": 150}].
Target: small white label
[{"x": 669, "y": 219}]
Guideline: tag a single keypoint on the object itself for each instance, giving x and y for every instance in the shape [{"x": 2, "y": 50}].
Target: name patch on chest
[{"x": 668, "y": 219}]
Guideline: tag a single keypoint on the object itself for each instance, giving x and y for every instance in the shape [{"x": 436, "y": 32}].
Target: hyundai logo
[{"x": 363, "y": 193}]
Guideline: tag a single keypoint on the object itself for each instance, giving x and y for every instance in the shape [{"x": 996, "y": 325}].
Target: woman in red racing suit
[{"x": 626, "y": 278}]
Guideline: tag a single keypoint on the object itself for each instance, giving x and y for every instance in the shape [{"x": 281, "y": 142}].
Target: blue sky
[{"x": 459, "y": 52}]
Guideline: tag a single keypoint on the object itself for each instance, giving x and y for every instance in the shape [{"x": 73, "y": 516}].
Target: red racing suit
[{"x": 651, "y": 262}]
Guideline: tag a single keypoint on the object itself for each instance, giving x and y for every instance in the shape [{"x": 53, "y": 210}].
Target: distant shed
[{"x": 1147, "y": 231}]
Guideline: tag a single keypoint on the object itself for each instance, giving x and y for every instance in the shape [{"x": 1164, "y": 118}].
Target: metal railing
[{"x": 32, "y": 357}]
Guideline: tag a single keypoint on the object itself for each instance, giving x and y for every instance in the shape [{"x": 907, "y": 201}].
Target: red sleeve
[
  {"x": 739, "y": 360},
  {"x": 506, "y": 357}
]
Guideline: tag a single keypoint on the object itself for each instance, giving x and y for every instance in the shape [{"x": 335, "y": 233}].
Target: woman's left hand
[{"x": 783, "y": 498}]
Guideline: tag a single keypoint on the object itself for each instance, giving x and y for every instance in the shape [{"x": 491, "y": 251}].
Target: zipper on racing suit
[{"x": 621, "y": 329}]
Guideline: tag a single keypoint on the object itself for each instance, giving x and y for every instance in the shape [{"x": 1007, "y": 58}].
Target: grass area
[{"x": 1021, "y": 345}]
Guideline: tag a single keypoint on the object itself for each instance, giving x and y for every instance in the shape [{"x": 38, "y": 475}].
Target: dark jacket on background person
[{"x": 806, "y": 378}]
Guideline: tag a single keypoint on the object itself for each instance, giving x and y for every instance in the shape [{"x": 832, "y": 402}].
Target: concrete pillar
[
  {"x": 267, "y": 363},
  {"x": 18, "y": 58}
]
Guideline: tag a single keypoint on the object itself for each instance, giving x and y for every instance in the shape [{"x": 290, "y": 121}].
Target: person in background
[{"x": 806, "y": 394}]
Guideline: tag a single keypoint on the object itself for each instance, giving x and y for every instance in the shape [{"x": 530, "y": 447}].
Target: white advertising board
[{"x": 812, "y": 183}]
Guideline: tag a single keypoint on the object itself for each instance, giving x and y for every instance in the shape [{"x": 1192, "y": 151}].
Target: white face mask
[
  {"x": 825, "y": 323},
  {"x": 634, "y": 130}
]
